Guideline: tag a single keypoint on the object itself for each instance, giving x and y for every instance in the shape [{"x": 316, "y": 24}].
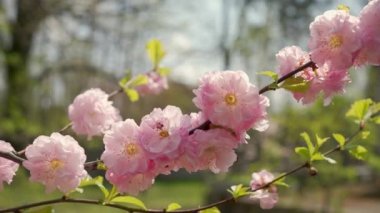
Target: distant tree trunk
[
  {"x": 29, "y": 16},
  {"x": 224, "y": 45},
  {"x": 373, "y": 85}
]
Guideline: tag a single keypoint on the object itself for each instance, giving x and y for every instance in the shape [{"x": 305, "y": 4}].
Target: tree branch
[{"x": 93, "y": 164}]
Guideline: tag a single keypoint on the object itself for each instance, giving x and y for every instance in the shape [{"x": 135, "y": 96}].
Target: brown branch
[
  {"x": 288, "y": 75},
  {"x": 195, "y": 210}
]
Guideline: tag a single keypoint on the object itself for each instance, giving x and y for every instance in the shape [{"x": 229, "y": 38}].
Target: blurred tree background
[{"x": 52, "y": 50}]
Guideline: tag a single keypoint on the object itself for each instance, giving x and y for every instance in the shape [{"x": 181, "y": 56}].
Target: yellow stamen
[
  {"x": 131, "y": 149},
  {"x": 335, "y": 41},
  {"x": 164, "y": 134},
  {"x": 230, "y": 99},
  {"x": 56, "y": 164}
]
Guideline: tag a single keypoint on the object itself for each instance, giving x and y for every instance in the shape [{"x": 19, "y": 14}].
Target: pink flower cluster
[
  {"x": 320, "y": 80},
  {"x": 369, "y": 28},
  {"x": 267, "y": 196},
  {"x": 8, "y": 168},
  {"x": 156, "y": 84},
  {"x": 338, "y": 41},
  {"x": 135, "y": 154},
  {"x": 56, "y": 161},
  {"x": 228, "y": 99},
  {"x": 92, "y": 113}
]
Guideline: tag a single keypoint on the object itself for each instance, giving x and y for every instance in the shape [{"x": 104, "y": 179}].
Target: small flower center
[
  {"x": 56, "y": 164},
  {"x": 131, "y": 149},
  {"x": 164, "y": 134},
  {"x": 230, "y": 99},
  {"x": 335, "y": 41}
]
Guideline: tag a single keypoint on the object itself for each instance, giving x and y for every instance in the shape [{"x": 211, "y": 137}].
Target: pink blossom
[
  {"x": 123, "y": 151},
  {"x": 267, "y": 196},
  {"x": 56, "y": 161},
  {"x": 92, "y": 113},
  {"x": 292, "y": 57},
  {"x": 321, "y": 80},
  {"x": 131, "y": 183},
  {"x": 160, "y": 132},
  {"x": 8, "y": 168},
  {"x": 189, "y": 148},
  {"x": 334, "y": 39},
  {"x": 326, "y": 82},
  {"x": 370, "y": 34},
  {"x": 156, "y": 84},
  {"x": 215, "y": 150},
  {"x": 230, "y": 100}
]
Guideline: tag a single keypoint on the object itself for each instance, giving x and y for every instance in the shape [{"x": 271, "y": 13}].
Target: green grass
[{"x": 21, "y": 191}]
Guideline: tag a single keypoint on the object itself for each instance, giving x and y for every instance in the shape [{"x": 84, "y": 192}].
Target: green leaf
[
  {"x": 125, "y": 79},
  {"x": 210, "y": 210},
  {"x": 101, "y": 166},
  {"x": 281, "y": 182},
  {"x": 97, "y": 181},
  {"x": 173, "y": 207},
  {"x": 330, "y": 160},
  {"x": 46, "y": 209},
  {"x": 340, "y": 139},
  {"x": 303, "y": 152},
  {"x": 271, "y": 74},
  {"x": 376, "y": 120},
  {"x": 112, "y": 194},
  {"x": 359, "y": 109},
  {"x": 359, "y": 152},
  {"x": 344, "y": 8},
  {"x": 321, "y": 141},
  {"x": 164, "y": 71},
  {"x": 129, "y": 200},
  {"x": 309, "y": 144},
  {"x": 238, "y": 191},
  {"x": 132, "y": 94},
  {"x": 364, "y": 134},
  {"x": 317, "y": 156},
  {"x": 139, "y": 80},
  {"x": 155, "y": 52},
  {"x": 295, "y": 84}
]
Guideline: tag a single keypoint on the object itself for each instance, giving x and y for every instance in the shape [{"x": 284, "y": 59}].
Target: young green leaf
[
  {"x": 173, "y": 207},
  {"x": 271, "y": 74},
  {"x": 210, "y": 210},
  {"x": 132, "y": 94},
  {"x": 309, "y": 144},
  {"x": 46, "y": 209},
  {"x": 376, "y": 120},
  {"x": 138, "y": 80},
  {"x": 340, "y": 139},
  {"x": 164, "y": 71},
  {"x": 238, "y": 191},
  {"x": 101, "y": 166},
  {"x": 303, "y": 152},
  {"x": 129, "y": 200},
  {"x": 155, "y": 52},
  {"x": 344, "y": 8},
  {"x": 295, "y": 84},
  {"x": 125, "y": 79},
  {"x": 359, "y": 152},
  {"x": 320, "y": 141},
  {"x": 359, "y": 109},
  {"x": 317, "y": 156},
  {"x": 281, "y": 182},
  {"x": 97, "y": 181},
  {"x": 364, "y": 134}
]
